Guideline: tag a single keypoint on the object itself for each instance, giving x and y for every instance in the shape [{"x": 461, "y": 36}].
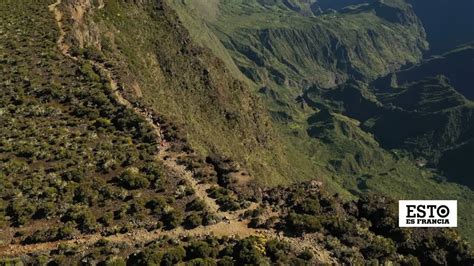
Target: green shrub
[
  {"x": 173, "y": 256},
  {"x": 173, "y": 219},
  {"x": 21, "y": 211},
  {"x": 300, "y": 223},
  {"x": 75, "y": 175},
  {"x": 410, "y": 260},
  {"x": 226, "y": 261},
  {"x": 153, "y": 172},
  {"x": 11, "y": 262},
  {"x": 193, "y": 220},
  {"x": 146, "y": 257},
  {"x": 88, "y": 70},
  {"x": 40, "y": 236},
  {"x": 379, "y": 247},
  {"x": 157, "y": 205},
  {"x": 107, "y": 218},
  {"x": 103, "y": 123},
  {"x": 45, "y": 211},
  {"x": 132, "y": 179},
  {"x": 198, "y": 249},
  {"x": 306, "y": 255},
  {"x": 65, "y": 231},
  {"x": 338, "y": 227},
  {"x": 114, "y": 261},
  {"x": 202, "y": 262},
  {"x": 277, "y": 251},
  {"x": 309, "y": 206},
  {"x": 224, "y": 198},
  {"x": 83, "y": 217},
  {"x": 196, "y": 205},
  {"x": 246, "y": 252},
  {"x": 85, "y": 195}
]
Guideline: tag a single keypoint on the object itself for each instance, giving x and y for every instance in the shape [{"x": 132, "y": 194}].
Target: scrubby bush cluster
[
  {"x": 225, "y": 198},
  {"x": 362, "y": 230},
  {"x": 257, "y": 250},
  {"x": 71, "y": 157}
]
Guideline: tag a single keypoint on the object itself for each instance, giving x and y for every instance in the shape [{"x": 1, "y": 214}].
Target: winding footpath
[{"x": 232, "y": 226}]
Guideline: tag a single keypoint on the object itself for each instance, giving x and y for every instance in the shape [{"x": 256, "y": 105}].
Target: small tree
[
  {"x": 246, "y": 252},
  {"x": 173, "y": 256},
  {"x": 198, "y": 249},
  {"x": 193, "y": 220},
  {"x": 173, "y": 219},
  {"x": 132, "y": 179}
]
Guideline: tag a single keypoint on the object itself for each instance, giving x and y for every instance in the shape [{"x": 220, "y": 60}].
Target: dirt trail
[
  {"x": 165, "y": 155},
  {"x": 117, "y": 90},
  {"x": 58, "y": 16},
  {"x": 169, "y": 160},
  {"x": 238, "y": 229},
  {"x": 231, "y": 226},
  {"x": 234, "y": 228}
]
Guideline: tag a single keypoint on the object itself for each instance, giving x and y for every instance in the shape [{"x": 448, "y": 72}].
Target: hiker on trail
[{"x": 162, "y": 143}]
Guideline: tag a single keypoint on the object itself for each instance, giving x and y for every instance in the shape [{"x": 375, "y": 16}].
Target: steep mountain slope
[
  {"x": 91, "y": 173},
  {"x": 431, "y": 99},
  {"x": 456, "y": 65},
  {"x": 457, "y": 163},
  {"x": 187, "y": 85},
  {"x": 423, "y": 120},
  {"x": 447, "y": 23},
  {"x": 76, "y": 159},
  {"x": 337, "y": 5},
  {"x": 427, "y": 117},
  {"x": 66, "y": 142},
  {"x": 274, "y": 44},
  {"x": 435, "y": 115},
  {"x": 80, "y": 161}
]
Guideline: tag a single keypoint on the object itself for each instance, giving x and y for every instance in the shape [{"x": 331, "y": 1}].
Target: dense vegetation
[
  {"x": 354, "y": 232},
  {"x": 79, "y": 171},
  {"x": 406, "y": 133},
  {"x": 254, "y": 250},
  {"x": 362, "y": 230},
  {"x": 72, "y": 159}
]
